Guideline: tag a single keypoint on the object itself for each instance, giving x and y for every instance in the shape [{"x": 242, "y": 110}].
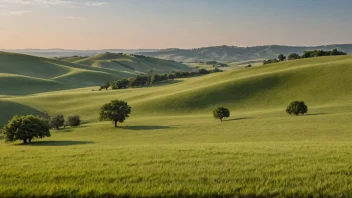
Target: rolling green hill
[
  {"x": 171, "y": 146},
  {"x": 230, "y": 54},
  {"x": 318, "y": 81},
  {"x": 24, "y": 74},
  {"x": 130, "y": 63}
]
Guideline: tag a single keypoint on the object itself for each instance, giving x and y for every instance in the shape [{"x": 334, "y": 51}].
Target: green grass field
[{"x": 172, "y": 147}]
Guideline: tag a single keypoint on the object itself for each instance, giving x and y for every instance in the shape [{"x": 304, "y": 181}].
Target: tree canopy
[
  {"x": 74, "y": 120},
  {"x": 296, "y": 108},
  {"x": 57, "y": 121},
  {"x": 26, "y": 128},
  {"x": 293, "y": 56},
  {"x": 281, "y": 57},
  {"x": 116, "y": 111},
  {"x": 221, "y": 113}
]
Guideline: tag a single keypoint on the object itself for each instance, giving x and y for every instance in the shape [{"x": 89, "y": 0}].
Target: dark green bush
[
  {"x": 57, "y": 121},
  {"x": 221, "y": 113},
  {"x": 296, "y": 108},
  {"x": 74, "y": 120}
]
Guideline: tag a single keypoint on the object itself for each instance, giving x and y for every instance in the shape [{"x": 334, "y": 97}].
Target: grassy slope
[
  {"x": 171, "y": 146},
  {"x": 260, "y": 88},
  {"x": 23, "y": 74},
  {"x": 30, "y": 74},
  {"x": 235, "y": 54},
  {"x": 130, "y": 63}
]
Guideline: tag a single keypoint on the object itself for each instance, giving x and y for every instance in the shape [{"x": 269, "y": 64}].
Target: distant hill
[
  {"x": 24, "y": 74},
  {"x": 236, "y": 54},
  {"x": 66, "y": 52},
  {"x": 128, "y": 62},
  {"x": 321, "y": 81}
]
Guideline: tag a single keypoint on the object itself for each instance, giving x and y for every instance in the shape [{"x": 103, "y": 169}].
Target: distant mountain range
[
  {"x": 234, "y": 54},
  {"x": 216, "y": 53}
]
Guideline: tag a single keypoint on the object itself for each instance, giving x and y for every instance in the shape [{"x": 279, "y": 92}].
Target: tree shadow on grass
[
  {"x": 57, "y": 143},
  {"x": 149, "y": 127},
  {"x": 234, "y": 119},
  {"x": 316, "y": 114},
  {"x": 69, "y": 129}
]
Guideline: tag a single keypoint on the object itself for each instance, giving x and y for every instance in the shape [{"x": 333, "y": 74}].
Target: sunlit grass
[{"x": 172, "y": 147}]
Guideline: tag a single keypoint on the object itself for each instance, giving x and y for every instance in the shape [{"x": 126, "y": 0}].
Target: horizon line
[{"x": 283, "y": 45}]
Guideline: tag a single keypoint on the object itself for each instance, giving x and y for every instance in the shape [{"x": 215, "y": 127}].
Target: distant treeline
[
  {"x": 143, "y": 80},
  {"x": 214, "y": 63},
  {"x": 306, "y": 54}
]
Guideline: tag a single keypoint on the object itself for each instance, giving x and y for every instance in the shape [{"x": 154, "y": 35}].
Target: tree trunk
[
  {"x": 24, "y": 141},
  {"x": 116, "y": 124},
  {"x": 221, "y": 119},
  {"x": 30, "y": 140}
]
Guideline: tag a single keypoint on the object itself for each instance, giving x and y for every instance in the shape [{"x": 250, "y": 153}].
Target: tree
[
  {"x": 216, "y": 70},
  {"x": 221, "y": 112},
  {"x": 293, "y": 56},
  {"x": 25, "y": 128},
  {"x": 116, "y": 111},
  {"x": 105, "y": 86},
  {"x": 155, "y": 78},
  {"x": 57, "y": 121},
  {"x": 171, "y": 76},
  {"x": 296, "y": 108},
  {"x": 121, "y": 84},
  {"x": 281, "y": 57},
  {"x": 203, "y": 71},
  {"x": 335, "y": 52},
  {"x": 74, "y": 120}
]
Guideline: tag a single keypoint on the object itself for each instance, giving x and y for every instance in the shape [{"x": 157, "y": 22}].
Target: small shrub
[
  {"x": 57, "y": 121},
  {"x": 221, "y": 112},
  {"x": 296, "y": 108},
  {"x": 73, "y": 120}
]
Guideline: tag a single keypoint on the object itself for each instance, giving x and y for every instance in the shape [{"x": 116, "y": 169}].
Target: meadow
[{"x": 171, "y": 146}]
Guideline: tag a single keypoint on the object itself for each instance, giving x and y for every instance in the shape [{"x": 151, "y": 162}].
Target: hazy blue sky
[{"x": 97, "y": 24}]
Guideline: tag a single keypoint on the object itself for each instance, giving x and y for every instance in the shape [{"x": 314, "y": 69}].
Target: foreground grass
[{"x": 266, "y": 154}]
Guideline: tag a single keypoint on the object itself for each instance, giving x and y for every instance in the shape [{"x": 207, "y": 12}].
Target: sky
[{"x": 158, "y": 24}]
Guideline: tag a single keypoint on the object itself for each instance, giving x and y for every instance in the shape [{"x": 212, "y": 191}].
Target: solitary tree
[
  {"x": 25, "y": 128},
  {"x": 281, "y": 57},
  {"x": 116, "y": 111},
  {"x": 74, "y": 120},
  {"x": 57, "y": 121},
  {"x": 296, "y": 108},
  {"x": 221, "y": 112}
]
